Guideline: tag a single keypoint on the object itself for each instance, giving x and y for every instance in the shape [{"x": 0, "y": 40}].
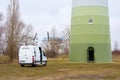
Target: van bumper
[{"x": 25, "y": 63}]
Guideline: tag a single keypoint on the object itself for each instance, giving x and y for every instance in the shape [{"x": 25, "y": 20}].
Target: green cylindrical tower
[{"x": 90, "y": 34}]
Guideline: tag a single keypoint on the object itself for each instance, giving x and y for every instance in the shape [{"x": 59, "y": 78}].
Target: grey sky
[{"x": 44, "y": 14}]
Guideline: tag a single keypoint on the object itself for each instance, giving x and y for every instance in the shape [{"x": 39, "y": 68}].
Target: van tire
[
  {"x": 22, "y": 65},
  {"x": 45, "y": 63},
  {"x": 33, "y": 65}
]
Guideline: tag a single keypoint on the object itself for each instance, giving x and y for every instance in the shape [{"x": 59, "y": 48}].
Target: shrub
[{"x": 4, "y": 59}]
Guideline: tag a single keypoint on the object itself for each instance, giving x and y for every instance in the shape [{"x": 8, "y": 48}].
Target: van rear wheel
[
  {"x": 33, "y": 65},
  {"x": 22, "y": 65}
]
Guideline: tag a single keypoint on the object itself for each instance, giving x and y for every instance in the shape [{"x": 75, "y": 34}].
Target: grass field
[{"x": 62, "y": 70}]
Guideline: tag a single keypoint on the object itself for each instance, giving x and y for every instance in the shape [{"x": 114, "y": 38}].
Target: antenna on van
[{"x": 34, "y": 38}]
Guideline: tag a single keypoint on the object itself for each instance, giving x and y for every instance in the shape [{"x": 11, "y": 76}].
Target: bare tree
[
  {"x": 55, "y": 46},
  {"x": 27, "y": 36},
  {"x": 66, "y": 33},
  {"x": 1, "y": 17},
  {"x": 17, "y": 32},
  {"x": 66, "y": 42},
  {"x": 52, "y": 46},
  {"x": 1, "y": 35},
  {"x": 13, "y": 29}
]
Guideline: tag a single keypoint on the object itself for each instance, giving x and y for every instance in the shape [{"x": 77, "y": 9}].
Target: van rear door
[{"x": 26, "y": 55}]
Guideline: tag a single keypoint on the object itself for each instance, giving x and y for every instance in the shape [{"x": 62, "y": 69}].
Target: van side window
[{"x": 44, "y": 53}]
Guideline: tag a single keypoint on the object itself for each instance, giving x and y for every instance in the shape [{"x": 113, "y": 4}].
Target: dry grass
[
  {"x": 62, "y": 70},
  {"x": 4, "y": 59}
]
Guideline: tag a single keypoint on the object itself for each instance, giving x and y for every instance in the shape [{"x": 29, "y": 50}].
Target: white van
[{"x": 32, "y": 55}]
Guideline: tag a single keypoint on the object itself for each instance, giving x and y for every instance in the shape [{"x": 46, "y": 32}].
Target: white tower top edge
[{"x": 78, "y": 3}]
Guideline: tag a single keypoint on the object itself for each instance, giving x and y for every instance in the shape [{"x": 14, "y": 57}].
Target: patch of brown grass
[
  {"x": 62, "y": 69},
  {"x": 4, "y": 59}
]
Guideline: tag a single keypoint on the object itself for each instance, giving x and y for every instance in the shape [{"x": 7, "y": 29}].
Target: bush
[
  {"x": 116, "y": 55},
  {"x": 116, "y": 52},
  {"x": 4, "y": 59}
]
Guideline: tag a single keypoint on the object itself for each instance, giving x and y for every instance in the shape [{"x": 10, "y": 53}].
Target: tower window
[{"x": 90, "y": 21}]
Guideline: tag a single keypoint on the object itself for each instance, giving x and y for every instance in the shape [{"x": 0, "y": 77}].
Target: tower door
[{"x": 90, "y": 54}]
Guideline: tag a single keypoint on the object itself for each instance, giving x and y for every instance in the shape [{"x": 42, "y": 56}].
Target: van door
[
  {"x": 41, "y": 59},
  {"x": 25, "y": 55},
  {"x": 44, "y": 56}
]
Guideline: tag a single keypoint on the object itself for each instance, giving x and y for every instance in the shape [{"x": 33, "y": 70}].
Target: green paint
[
  {"x": 85, "y": 35},
  {"x": 87, "y": 11}
]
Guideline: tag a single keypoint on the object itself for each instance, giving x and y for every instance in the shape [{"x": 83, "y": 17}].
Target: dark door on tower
[{"x": 90, "y": 54}]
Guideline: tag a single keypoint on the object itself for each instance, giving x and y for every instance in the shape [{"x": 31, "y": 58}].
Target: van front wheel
[{"x": 45, "y": 63}]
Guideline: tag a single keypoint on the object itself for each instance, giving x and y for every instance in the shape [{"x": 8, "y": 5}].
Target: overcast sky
[{"x": 45, "y": 14}]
